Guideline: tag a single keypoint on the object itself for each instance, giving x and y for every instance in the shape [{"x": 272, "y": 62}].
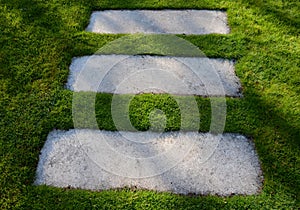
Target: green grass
[{"x": 38, "y": 40}]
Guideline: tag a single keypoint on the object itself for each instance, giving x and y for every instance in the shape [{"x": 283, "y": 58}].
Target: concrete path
[
  {"x": 178, "y": 162},
  {"x": 122, "y": 74},
  {"x": 159, "y": 22}
]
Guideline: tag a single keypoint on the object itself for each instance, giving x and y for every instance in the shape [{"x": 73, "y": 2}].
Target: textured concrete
[
  {"x": 122, "y": 74},
  {"x": 159, "y": 22},
  {"x": 178, "y": 162}
]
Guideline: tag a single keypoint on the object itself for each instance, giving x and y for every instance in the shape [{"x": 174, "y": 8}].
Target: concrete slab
[
  {"x": 176, "y": 162},
  {"x": 159, "y": 22},
  {"x": 124, "y": 74}
]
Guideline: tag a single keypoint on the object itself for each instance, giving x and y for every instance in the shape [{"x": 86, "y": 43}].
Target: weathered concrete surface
[
  {"x": 182, "y": 163},
  {"x": 159, "y": 22},
  {"x": 123, "y": 74}
]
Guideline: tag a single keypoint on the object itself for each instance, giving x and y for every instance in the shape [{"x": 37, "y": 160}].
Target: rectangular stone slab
[
  {"x": 158, "y": 22},
  {"x": 177, "y": 162},
  {"x": 124, "y": 74}
]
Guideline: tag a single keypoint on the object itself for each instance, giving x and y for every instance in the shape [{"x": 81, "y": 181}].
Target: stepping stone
[
  {"x": 159, "y": 22},
  {"x": 177, "y": 162},
  {"x": 123, "y": 74}
]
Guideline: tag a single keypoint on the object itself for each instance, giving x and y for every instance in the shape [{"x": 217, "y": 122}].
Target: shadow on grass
[
  {"x": 277, "y": 142},
  {"x": 37, "y": 40},
  {"x": 280, "y": 12}
]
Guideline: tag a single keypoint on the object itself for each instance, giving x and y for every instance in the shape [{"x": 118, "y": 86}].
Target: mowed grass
[{"x": 38, "y": 40}]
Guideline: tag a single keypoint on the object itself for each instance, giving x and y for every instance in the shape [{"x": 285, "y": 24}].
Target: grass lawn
[{"x": 38, "y": 40}]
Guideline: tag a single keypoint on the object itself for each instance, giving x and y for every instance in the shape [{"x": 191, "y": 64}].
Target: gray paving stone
[
  {"x": 122, "y": 74},
  {"x": 159, "y": 22},
  {"x": 177, "y": 162}
]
